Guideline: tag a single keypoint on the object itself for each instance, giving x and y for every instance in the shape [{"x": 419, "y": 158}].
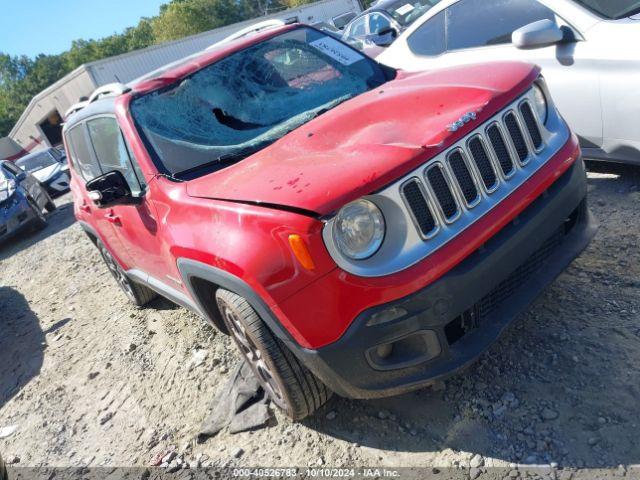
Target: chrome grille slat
[
  {"x": 482, "y": 161},
  {"x": 532, "y": 125},
  {"x": 442, "y": 192},
  {"x": 516, "y": 135},
  {"x": 500, "y": 149},
  {"x": 463, "y": 176},
  {"x": 416, "y": 199}
]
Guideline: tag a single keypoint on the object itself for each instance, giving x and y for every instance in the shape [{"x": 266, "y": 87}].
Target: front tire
[
  {"x": 289, "y": 384},
  {"x": 50, "y": 206},
  {"x": 137, "y": 294},
  {"x": 39, "y": 220}
]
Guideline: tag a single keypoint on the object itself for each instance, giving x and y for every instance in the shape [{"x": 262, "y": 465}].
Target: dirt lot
[{"x": 89, "y": 380}]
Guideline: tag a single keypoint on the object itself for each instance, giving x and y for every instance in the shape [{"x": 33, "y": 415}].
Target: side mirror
[
  {"x": 384, "y": 37},
  {"x": 110, "y": 189},
  {"x": 542, "y": 33},
  {"x": 21, "y": 176}
]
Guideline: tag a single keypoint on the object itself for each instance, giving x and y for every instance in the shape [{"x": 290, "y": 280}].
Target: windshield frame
[
  {"x": 626, "y": 14},
  {"x": 384, "y": 72}
]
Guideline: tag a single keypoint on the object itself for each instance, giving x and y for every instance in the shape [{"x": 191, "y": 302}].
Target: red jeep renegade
[{"x": 356, "y": 229}]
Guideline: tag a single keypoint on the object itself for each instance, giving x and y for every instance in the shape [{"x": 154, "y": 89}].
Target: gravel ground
[{"x": 88, "y": 380}]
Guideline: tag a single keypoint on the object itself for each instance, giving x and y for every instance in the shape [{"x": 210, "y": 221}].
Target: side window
[
  {"x": 358, "y": 28},
  {"x": 378, "y": 22},
  {"x": 479, "y": 23},
  {"x": 111, "y": 150},
  {"x": 81, "y": 155},
  {"x": 429, "y": 38}
]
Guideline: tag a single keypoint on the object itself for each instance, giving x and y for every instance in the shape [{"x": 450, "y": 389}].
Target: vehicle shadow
[
  {"x": 58, "y": 220},
  {"x": 22, "y": 344},
  {"x": 563, "y": 383}
]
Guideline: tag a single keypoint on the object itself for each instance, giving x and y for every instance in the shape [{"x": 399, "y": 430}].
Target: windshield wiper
[
  {"x": 333, "y": 105},
  {"x": 225, "y": 159}
]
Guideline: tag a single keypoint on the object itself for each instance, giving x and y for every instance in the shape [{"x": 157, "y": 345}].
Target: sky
[{"x": 31, "y": 27}]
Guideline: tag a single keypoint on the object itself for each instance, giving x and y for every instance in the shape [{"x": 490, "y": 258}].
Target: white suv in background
[{"x": 589, "y": 51}]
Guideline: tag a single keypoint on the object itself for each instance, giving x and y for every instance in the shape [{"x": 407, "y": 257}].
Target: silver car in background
[
  {"x": 589, "y": 51},
  {"x": 50, "y": 167},
  {"x": 378, "y": 26}
]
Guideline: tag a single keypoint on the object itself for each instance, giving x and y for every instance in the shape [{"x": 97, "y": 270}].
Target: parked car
[
  {"x": 355, "y": 229},
  {"x": 328, "y": 29},
  {"x": 49, "y": 167},
  {"x": 377, "y": 27},
  {"x": 22, "y": 201},
  {"x": 587, "y": 50},
  {"x": 340, "y": 21}
]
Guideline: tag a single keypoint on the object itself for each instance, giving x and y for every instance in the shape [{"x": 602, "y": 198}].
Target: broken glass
[{"x": 251, "y": 98}]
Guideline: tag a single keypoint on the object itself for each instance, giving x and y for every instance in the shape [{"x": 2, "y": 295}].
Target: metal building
[{"x": 40, "y": 125}]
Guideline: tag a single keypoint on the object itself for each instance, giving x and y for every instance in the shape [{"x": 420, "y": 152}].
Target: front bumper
[
  {"x": 15, "y": 214},
  {"x": 447, "y": 325},
  {"x": 58, "y": 184}
]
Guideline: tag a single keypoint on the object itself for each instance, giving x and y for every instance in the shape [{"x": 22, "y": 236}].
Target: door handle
[{"x": 111, "y": 218}]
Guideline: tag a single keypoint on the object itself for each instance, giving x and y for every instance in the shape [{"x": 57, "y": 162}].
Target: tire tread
[{"x": 304, "y": 392}]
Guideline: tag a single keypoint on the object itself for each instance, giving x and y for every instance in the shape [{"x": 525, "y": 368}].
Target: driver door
[{"x": 135, "y": 226}]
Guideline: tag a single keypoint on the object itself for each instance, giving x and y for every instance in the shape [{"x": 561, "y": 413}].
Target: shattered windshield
[
  {"x": 244, "y": 102},
  {"x": 36, "y": 162}
]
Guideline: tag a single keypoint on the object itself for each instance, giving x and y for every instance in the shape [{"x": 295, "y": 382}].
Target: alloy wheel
[
  {"x": 254, "y": 356},
  {"x": 117, "y": 273}
]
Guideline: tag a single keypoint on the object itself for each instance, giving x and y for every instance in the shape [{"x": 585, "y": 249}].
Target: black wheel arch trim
[{"x": 193, "y": 271}]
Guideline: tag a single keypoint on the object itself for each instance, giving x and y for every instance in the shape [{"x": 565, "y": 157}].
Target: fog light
[
  {"x": 384, "y": 351},
  {"x": 387, "y": 315}
]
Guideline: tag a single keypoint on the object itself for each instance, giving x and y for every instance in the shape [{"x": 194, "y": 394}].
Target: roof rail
[
  {"x": 111, "y": 89},
  {"x": 250, "y": 30},
  {"x": 75, "y": 107}
]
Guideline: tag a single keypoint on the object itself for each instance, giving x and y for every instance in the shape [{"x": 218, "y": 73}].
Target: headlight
[
  {"x": 7, "y": 188},
  {"x": 541, "y": 106},
  {"x": 358, "y": 229}
]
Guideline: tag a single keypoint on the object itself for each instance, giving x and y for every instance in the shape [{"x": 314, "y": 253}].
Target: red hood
[{"x": 369, "y": 141}]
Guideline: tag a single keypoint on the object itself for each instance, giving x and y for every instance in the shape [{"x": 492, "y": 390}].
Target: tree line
[{"x": 22, "y": 77}]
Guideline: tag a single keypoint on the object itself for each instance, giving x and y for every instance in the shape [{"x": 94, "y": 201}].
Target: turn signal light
[{"x": 300, "y": 250}]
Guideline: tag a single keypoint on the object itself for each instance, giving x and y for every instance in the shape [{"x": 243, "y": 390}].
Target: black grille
[
  {"x": 419, "y": 207},
  {"x": 516, "y": 135},
  {"x": 481, "y": 159},
  {"x": 532, "y": 125},
  {"x": 473, "y": 318},
  {"x": 443, "y": 192},
  {"x": 500, "y": 147},
  {"x": 520, "y": 276},
  {"x": 463, "y": 176}
]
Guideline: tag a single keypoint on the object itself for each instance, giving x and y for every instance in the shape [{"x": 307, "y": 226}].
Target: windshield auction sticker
[
  {"x": 336, "y": 50},
  {"x": 403, "y": 10}
]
